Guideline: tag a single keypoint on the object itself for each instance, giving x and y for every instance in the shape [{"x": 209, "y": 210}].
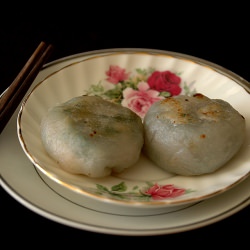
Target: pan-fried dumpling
[
  {"x": 192, "y": 135},
  {"x": 92, "y": 136}
]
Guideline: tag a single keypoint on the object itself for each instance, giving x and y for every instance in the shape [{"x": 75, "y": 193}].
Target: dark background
[{"x": 224, "y": 43}]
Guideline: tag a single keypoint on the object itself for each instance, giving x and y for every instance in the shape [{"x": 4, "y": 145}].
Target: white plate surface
[
  {"x": 126, "y": 190},
  {"x": 22, "y": 181}
]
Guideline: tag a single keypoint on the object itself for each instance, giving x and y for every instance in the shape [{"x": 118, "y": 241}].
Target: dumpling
[
  {"x": 92, "y": 136},
  {"x": 192, "y": 135}
]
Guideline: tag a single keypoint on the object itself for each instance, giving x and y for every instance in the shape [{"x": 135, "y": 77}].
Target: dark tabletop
[{"x": 219, "y": 46}]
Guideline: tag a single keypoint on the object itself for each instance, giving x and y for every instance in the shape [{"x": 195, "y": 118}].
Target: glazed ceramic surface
[
  {"x": 127, "y": 78},
  {"x": 52, "y": 193}
]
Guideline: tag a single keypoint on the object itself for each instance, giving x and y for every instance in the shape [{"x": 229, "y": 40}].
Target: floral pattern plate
[{"x": 135, "y": 79}]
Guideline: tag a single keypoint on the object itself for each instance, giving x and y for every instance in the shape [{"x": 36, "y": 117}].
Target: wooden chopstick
[{"x": 18, "y": 88}]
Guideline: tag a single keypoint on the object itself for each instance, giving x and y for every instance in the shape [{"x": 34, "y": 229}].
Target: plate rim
[
  {"x": 119, "y": 231},
  {"x": 232, "y": 75}
]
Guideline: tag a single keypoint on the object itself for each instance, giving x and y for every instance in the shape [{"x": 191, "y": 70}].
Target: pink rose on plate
[
  {"x": 165, "y": 81},
  {"x": 116, "y": 74},
  {"x": 140, "y": 100},
  {"x": 160, "y": 192}
]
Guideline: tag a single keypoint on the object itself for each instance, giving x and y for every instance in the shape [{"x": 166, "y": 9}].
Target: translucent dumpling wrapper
[
  {"x": 192, "y": 135},
  {"x": 92, "y": 136}
]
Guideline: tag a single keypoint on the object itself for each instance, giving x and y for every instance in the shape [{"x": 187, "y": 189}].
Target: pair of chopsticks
[{"x": 16, "y": 91}]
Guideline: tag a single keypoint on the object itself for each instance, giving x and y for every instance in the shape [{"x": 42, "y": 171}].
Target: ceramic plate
[
  {"x": 25, "y": 183},
  {"x": 110, "y": 76}
]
